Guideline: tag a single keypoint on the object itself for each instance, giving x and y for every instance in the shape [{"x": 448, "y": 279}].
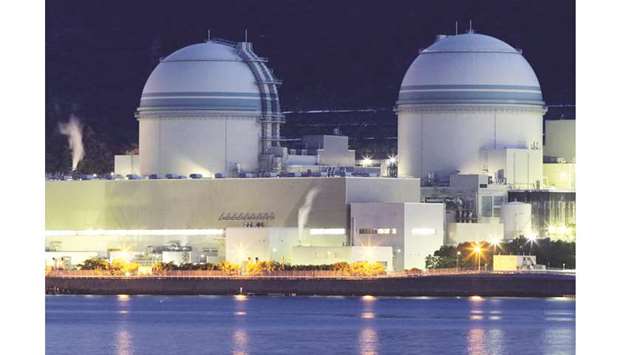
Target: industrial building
[{"x": 214, "y": 180}]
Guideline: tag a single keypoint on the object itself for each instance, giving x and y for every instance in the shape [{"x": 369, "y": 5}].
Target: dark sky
[{"x": 330, "y": 54}]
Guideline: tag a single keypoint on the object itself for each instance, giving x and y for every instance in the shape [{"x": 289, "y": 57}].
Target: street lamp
[
  {"x": 478, "y": 251},
  {"x": 458, "y": 255},
  {"x": 531, "y": 239}
]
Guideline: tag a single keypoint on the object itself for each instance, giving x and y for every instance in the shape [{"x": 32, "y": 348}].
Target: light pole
[
  {"x": 458, "y": 255},
  {"x": 478, "y": 250}
]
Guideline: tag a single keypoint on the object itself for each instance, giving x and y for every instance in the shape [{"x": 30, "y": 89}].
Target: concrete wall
[
  {"x": 248, "y": 244},
  {"x": 415, "y": 230},
  {"x": 126, "y": 164},
  {"x": 441, "y": 141},
  {"x": 560, "y": 176},
  {"x": 102, "y": 243},
  {"x": 213, "y": 203},
  {"x": 424, "y": 232},
  {"x": 509, "y": 285},
  {"x": 560, "y": 139},
  {"x": 207, "y": 145},
  {"x": 520, "y": 168}
]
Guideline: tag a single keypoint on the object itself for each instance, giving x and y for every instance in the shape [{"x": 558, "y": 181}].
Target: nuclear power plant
[{"x": 214, "y": 179}]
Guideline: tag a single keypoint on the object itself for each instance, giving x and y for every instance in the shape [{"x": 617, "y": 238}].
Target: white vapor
[
  {"x": 304, "y": 211},
  {"x": 73, "y": 131}
]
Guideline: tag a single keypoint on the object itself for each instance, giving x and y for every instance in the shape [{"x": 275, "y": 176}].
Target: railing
[{"x": 292, "y": 274}]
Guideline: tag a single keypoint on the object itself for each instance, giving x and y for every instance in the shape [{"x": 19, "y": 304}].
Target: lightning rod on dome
[
  {"x": 246, "y": 35},
  {"x": 471, "y": 29},
  {"x": 456, "y": 28}
]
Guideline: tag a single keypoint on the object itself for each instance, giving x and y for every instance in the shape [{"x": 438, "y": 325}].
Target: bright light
[
  {"x": 123, "y": 298},
  {"x": 368, "y": 315},
  {"x": 495, "y": 242},
  {"x": 327, "y": 231},
  {"x": 423, "y": 231},
  {"x": 366, "y": 161},
  {"x": 531, "y": 238},
  {"x": 392, "y": 159},
  {"x": 368, "y": 298},
  {"x": 477, "y": 249},
  {"x": 476, "y": 299},
  {"x": 241, "y": 298},
  {"x": 135, "y": 232}
]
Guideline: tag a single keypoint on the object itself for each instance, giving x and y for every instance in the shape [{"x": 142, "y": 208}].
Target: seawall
[{"x": 485, "y": 284}]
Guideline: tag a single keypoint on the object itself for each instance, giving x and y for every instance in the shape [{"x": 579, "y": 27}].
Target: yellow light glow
[
  {"x": 366, "y": 161},
  {"x": 476, "y": 299},
  {"x": 368, "y": 298},
  {"x": 241, "y": 298},
  {"x": 123, "y": 298}
]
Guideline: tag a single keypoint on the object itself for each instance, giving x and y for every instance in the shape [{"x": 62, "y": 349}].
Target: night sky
[{"x": 329, "y": 54}]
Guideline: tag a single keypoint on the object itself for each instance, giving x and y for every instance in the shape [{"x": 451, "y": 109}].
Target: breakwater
[{"x": 482, "y": 284}]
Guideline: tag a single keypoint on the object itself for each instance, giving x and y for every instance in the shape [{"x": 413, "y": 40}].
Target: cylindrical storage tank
[
  {"x": 201, "y": 111},
  {"x": 462, "y": 101},
  {"x": 517, "y": 219}
]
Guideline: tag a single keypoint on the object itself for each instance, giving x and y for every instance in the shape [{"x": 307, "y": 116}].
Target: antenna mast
[
  {"x": 456, "y": 28},
  {"x": 246, "y": 35}
]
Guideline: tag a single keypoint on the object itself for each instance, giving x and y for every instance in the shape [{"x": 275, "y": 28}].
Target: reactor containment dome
[
  {"x": 209, "y": 108},
  {"x": 464, "y": 102}
]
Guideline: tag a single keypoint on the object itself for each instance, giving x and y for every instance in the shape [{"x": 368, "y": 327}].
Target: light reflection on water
[
  {"x": 368, "y": 341},
  {"x": 123, "y": 343},
  {"x": 309, "y": 325},
  {"x": 240, "y": 342}
]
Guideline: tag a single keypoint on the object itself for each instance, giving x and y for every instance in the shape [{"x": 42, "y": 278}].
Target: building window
[{"x": 377, "y": 231}]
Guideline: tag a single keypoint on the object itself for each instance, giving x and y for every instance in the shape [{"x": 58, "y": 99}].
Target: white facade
[
  {"x": 560, "y": 139},
  {"x": 412, "y": 230},
  {"x": 127, "y": 164},
  {"x": 517, "y": 219},
  {"x": 462, "y": 96},
  {"x": 206, "y": 145},
  {"x": 208, "y": 108},
  {"x": 517, "y": 168}
]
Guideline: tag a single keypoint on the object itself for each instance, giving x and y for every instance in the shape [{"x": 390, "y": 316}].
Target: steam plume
[
  {"x": 73, "y": 131},
  {"x": 304, "y": 211}
]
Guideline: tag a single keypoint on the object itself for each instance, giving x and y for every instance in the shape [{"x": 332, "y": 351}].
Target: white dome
[
  {"x": 212, "y": 76},
  {"x": 470, "y": 68}
]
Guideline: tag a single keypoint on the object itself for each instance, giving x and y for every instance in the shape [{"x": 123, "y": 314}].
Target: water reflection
[
  {"x": 557, "y": 339},
  {"x": 240, "y": 342},
  {"x": 123, "y": 342},
  {"x": 368, "y": 341},
  {"x": 475, "y": 340},
  {"x": 482, "y": 342}
]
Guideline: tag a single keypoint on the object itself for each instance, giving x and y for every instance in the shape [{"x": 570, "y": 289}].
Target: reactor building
[{"x": 213, "y": 179}]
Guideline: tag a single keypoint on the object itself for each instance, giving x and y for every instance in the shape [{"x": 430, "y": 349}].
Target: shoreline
[{"x": 463, "y": 285}]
